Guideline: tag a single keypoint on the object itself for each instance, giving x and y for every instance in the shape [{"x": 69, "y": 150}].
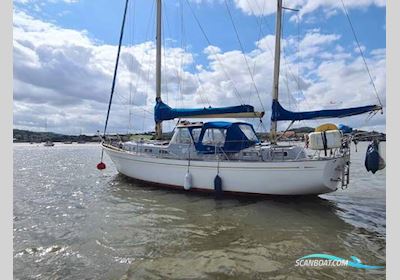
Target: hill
[{"x": 33, "y": 136}]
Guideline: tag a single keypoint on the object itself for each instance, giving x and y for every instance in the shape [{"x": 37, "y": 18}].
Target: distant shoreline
[{"x": 297, "y": 134}]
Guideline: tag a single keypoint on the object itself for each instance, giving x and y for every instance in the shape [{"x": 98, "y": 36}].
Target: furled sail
[
  {"x": 281, "y": 114},
  {"x": 163, "y": 112}
]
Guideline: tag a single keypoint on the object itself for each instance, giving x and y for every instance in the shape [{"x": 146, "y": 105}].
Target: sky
[{"x": 215, "y": 53}]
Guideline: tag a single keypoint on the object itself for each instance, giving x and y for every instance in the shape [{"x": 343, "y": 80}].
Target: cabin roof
[
  {"x": 223, "y": 124},
  {"x": 190, "y": 124},
  {"x": 213, "y": 124}
]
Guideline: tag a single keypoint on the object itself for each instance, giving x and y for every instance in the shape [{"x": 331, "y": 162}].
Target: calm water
[{"x": 73, "y": 222}]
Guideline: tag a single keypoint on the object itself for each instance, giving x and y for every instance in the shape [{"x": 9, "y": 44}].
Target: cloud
[
  {"x": 58, "y": 69},
  {"x": 267, "y": 7},
  {"x": 64, "y": 76}
]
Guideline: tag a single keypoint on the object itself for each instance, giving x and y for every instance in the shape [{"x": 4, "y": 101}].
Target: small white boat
[
  {"x": 228, "y": 156},
  {"x": 48, "y": 144}
]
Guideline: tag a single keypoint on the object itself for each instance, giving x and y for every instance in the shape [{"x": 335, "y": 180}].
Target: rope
[{"x": 361, "y": 52}]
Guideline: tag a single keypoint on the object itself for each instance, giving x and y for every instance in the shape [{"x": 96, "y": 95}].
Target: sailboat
[
  {"x": 48, "y": 142},
  {"x": 81, "y": 138},
  {"x": 222, "y": 156}
]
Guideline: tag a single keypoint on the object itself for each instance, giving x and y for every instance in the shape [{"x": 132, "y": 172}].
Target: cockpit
[{"x": 211, "y": 137}]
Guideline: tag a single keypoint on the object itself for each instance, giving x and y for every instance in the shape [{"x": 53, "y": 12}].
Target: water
[{"x": 73, "y": 222}]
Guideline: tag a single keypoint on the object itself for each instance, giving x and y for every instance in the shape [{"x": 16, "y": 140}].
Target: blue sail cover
[
  {"x": 163, "y": 112},
  {"x": 281, "y": 114}
]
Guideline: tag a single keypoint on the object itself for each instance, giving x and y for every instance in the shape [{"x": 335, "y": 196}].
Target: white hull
[{"x": 275, "y": 178}]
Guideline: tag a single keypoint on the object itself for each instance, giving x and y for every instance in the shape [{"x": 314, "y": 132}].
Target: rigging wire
[
  {"x": 183, "y": 47},
  {"x": 164, "y": 65},
  {"x": 215, "y": 53},
  {"x": 164, "y": 68},
  {"x": 287, "y": 65},
  {"x": 146, "y": 76},
  {"x": 203, "y": 98},
  {"x": 361, "y": 52},
  {"x": 259, "y": 22},
  {"x": 289, "y": 68},
  {"x": 138, "y": 77},
  {"x": 177, "y": 67},
  {"x": 269, "y": 47},
  {"x": 289, "y": 71},
  {"x": 260, "y": 33},
  {"x": 124, "y": 101},
  {"x": 115, "y": 71},
  {"x": 133, "y": 66},
  {"x": 243, "y": 53},
  {"x": 288, "y": 93}
]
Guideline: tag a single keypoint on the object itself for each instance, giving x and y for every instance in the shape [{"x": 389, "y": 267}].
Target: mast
[
  {"x": 275, "y": 85},
  {"x": 158, "y": 127}
]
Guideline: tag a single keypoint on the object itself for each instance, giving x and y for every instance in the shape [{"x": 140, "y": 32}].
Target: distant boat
[
  {"x": 67, "y": 142},
  {"x": 48, "y": 143},
  {"x": 81, "y": 138}
]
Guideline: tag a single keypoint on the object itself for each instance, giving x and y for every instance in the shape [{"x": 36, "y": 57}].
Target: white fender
[{"x": 187, "y": 185}]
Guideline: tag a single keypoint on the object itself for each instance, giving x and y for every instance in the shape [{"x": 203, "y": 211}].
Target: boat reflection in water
[{"x": 238, "y": 236}]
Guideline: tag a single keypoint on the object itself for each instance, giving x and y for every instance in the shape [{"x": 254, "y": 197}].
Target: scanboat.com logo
[{"x": 330, "y": 260}]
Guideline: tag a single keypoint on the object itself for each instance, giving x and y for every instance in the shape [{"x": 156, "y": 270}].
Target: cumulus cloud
[
  {"x": 267, "y": 7},
  {"x": 64, "y": 76}
]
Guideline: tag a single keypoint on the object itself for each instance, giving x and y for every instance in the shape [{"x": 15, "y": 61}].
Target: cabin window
[
  {"x": 214, "y": 137},
  {"x": 181, "y": 136},
  {"x": 250, "y": 154},
  {"x": 249, "y": 132},
  {"x": 280, "y": 154}
]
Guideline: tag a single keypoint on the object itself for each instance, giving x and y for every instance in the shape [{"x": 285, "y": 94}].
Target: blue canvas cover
[
  {"x": 345, "y": 128},
  {"x": 281, "y": 114},
  {"x": 163, "y": 112},
  {"x": 235, "y": 139}
]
